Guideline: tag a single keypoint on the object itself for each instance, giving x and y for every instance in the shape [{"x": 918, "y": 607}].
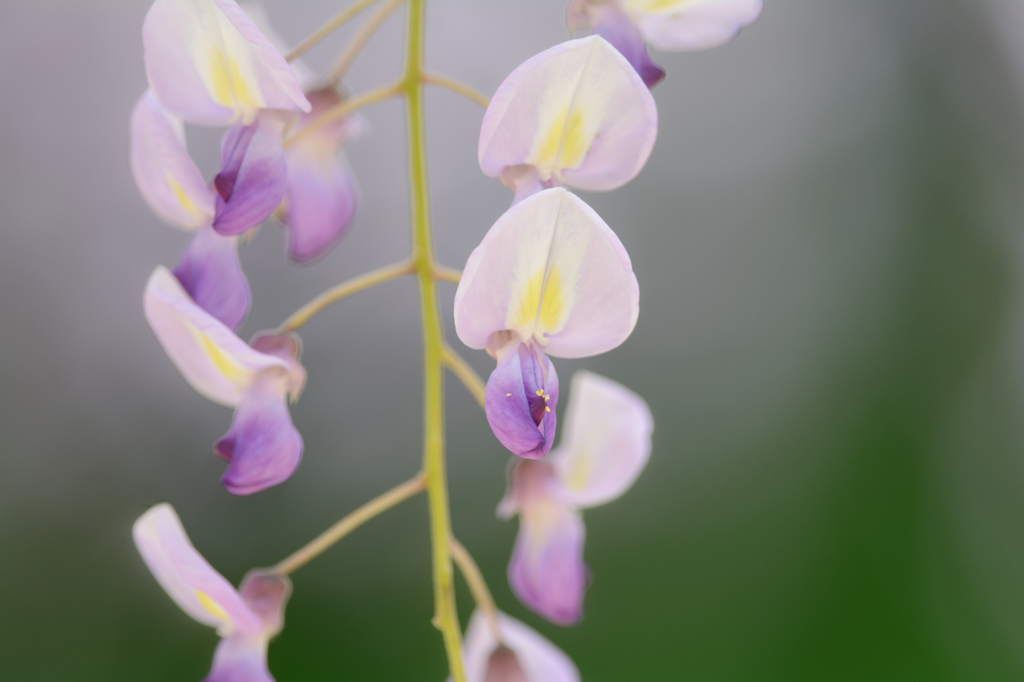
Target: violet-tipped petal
[
  {"x": 165, "y": 174},
  {"x": 263, "y": 447},
  {"x": 546, "y": 572},
  {"x": 606, "y": 441},
  {"x": 253, "y": 176},
  {"x": 522, "y": 651},
  {"x": 211, "y": 273},
  {"x": 209, "y": 64},
  {"x": 322, "y": 196},
  {"x": 520, "y": 400},
  {"x": 578, "y": 114}
]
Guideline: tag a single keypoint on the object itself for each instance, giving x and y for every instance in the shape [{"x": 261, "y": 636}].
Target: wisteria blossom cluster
[{"x": 550, "y": 279}]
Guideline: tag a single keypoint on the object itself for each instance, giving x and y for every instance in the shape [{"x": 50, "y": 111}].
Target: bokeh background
[{"x": 828, "y": 239}]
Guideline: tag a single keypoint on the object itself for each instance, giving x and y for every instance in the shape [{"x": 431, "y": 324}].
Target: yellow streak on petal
[
  {"x": 224, "y": 363},
  {"x": 541, "y": 307},
  {"x": 562, "y": 146},
  {"x": 179, "y": 194},
  {"x": 220, "y": 79},
  {"x": 579, "y": 474},
  {"x": 211, "y": 606},
  {"x": 246, "y": 93}
]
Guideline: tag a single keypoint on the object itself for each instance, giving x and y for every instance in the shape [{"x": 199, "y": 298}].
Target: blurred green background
[{"x": 829, "y": 248}]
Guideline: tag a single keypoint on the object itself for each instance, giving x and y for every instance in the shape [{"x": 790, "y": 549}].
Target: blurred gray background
[{"x": 829, "y": 248}]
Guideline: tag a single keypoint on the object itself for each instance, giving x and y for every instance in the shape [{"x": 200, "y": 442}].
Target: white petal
[
  {"x": 209, "y": 63},
  {"x": 549, "y": 271},
  {"x": 215, "y": 362},
  {"x": 577, "y": 113},
  {"x": 187, "y": 577},
  {"x": 165, "y": 174},
  {"x": 683, "y": 25},
  {"x": 606, "y": 441}
]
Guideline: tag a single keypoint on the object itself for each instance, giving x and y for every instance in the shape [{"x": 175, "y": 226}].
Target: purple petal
[
  {"x": 212, "y": 275},
  {"x": 262, "y": 447},
  {"x": 240, "y": 658},
  {"x": 322, "y": 191},
  {"x": 520, "y": 400},
  {"x": 253, "y": 176},
  {"x": 320, "y": 205},
  {"x": 625, "y": 36},
  {"x": 547, "y": 572}
]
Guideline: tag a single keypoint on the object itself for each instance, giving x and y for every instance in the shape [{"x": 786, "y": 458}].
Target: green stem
[{"x": 445, "y": 616}]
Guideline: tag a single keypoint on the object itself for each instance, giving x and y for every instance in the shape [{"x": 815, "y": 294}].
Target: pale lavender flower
[
  {"x": 246, "y": 619},
  {"x": 262, "y": 447},
  {"x": 606, "y": 445},
  {"x": 523, "y": 655},
  {"x": 670, "y": 25},
  {"x": 209, "y": 64},
  {"x": 575, "y": 115},
  {"x": 549, "y": 278}
]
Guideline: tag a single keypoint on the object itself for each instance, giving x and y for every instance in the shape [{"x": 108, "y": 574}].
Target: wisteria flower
[
  {"x": 322, "y": 195},
  {"x": 670, "y": 25},
  {"x": 523, "y": 655},
  {"x": 209, "y": 64},
  {"x": 606, "y": 445},
  {"x": 262, "y": 447},
  {"x": 246, "y": 619},
  {"x": 576, "y": 115},
  {"x": 549, "y": 278}
]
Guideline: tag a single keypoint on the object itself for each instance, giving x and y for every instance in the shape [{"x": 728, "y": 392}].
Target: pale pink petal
[
  {"x": 187, "y": 577},
  {"x": 606, "y": 441},
  {"x": 578, "y": 113},
  {"x": 551, "y": 271},
  {"x": 684, "y": 25},
  {"x": 537, "y": 658},
  {"x": 215, "y": 362},
  {"x": 613, "y": 25},
  {"x": 209, "y": 64},
  {"x": 165, "y": 174}
]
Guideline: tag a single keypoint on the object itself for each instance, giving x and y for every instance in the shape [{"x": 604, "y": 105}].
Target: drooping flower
[
  {"x": 606, "y": 445},
  {"x": 322, "y": 195},
  {"x": 262, "y": 447},
  {"x": 576, "y": 115},
  {"x": 246, "y": 619},
  {"x": 209, "y": 64},
  {"x": 670, "y": 25},
  {"x": 523, "y": 655},
  {"x": 549, "y": 278}
]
